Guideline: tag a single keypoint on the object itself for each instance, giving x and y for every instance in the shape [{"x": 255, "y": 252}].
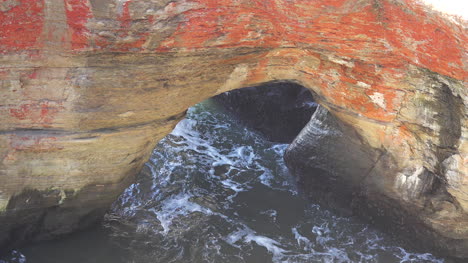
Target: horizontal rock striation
[{"x": 88, "y": 87}]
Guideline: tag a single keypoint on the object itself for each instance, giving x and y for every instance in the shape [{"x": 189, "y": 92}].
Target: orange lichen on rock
[
  {"x": 41, "y": 113},
  {"x": 374, "y": 31},
  {"x": 78, "y": 13},
  {"x": 21, "y": 24},
  {"x": 425, "y": 39},
  {"x": 104, "y": 78}
]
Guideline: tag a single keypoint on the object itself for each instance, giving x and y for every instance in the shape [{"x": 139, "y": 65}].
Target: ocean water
[{"x": 214, "y": 191}]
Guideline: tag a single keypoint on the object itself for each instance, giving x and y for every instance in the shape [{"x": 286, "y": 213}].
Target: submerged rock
[{"x": 87, "y": 88}]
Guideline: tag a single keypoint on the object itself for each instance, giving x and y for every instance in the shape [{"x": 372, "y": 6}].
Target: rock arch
[{"x": 89, "y": 87}]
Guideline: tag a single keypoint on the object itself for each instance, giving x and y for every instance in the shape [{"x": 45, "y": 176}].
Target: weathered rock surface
[
  {"x": 88, "y": 87},
  {"x": 329, "y": 157},
  {"x": 277, "y": 111}
]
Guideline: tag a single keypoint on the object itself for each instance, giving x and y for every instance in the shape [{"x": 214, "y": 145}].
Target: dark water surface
[{"x": 214, "y": 191}]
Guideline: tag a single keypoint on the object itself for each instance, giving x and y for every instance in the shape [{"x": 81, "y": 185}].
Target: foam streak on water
[{"x": 216, "y": 192}]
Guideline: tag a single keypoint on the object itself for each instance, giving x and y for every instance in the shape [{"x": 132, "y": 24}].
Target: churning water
[{"x": 216, "y": 192}]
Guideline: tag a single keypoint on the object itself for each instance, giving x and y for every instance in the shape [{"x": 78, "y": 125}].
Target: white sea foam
[
  {"x": 175, "y": 206},
  {"x": 247, "y": 235},
  {"x": 266, "y": 177},
  {"x": 301, "y": 240},
  {"x": 16, "y": 257},
  {"x": 195, "y": 141},
  {"x": 270, "y": 244},
  {"x": 406, "y": 257},
  {"x": 233, "y": 185},
  {"x": 219, "y": 157}
]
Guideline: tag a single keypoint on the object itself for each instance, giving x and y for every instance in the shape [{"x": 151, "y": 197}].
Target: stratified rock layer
[{"x": 89, "y": 86}]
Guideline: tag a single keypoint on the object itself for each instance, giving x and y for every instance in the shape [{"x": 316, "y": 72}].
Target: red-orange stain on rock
[
  {"x": 21, "y": 112},
  {"x": 138, "y": 38},
  {"x": 34, "y": 143},
  {"x": 226, "y": 24},
  {"x": 21, "y": 26},
  {"x": 278, "y": 59},
  {"x": 4, "y": 73},
  {"x": 383, "y": 32},
  {"x": 41, "y": 113},
  {"x": 378, "y": 39},
  {"x": 402, "y": 135},
  {"x": 424, "y": 39},
  {"x": 130, "y": 39},
  {"x": 78, "y": 13},
  {"x": 125, "y": 18},
  {"x": 357, "y": 88},
  {"x": 357, "y": 100},
  {"x": 259, "y": 73},
  {"x": 33, "y": 74}
]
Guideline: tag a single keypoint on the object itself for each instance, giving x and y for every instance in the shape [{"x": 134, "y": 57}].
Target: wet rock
[
  {"x": 206, "y": 201},
  {"x": 87, "y": 88},
  {"x": 330, "y": 159},
  {"x": 336, "y": 168}
]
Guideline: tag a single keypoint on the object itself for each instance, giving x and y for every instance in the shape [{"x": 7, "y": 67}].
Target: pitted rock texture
[{"x": 88, "y": 87}]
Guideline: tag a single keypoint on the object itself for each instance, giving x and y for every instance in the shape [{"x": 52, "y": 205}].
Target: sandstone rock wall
[{"x": 88, "y": 87}]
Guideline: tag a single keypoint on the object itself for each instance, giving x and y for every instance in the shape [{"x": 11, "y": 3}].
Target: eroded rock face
[
  {"x": 336, "y": 167},
  {"x": 88, "y": 88},
  {"x": 330, "y": 159}
]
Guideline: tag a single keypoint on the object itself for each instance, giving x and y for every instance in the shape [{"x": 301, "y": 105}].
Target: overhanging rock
[{"x": 88, "y": 87}]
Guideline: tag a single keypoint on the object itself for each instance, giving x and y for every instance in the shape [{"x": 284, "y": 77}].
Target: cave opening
[
  {"x": 278, "y": 111},
  {"x": 217, "y": 188}
]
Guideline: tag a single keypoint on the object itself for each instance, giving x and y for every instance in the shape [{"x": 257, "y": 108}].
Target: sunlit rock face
[{"x": 89, "y": 87}]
